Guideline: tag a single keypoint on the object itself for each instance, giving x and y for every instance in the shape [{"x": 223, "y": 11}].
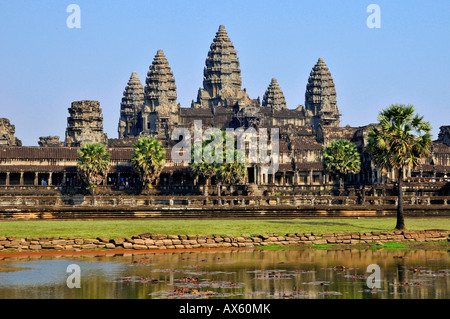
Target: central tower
[{"x": 222, "y": 75}]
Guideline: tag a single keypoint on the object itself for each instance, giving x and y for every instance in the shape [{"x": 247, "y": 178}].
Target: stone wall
[{"x": 149, "y": 241}]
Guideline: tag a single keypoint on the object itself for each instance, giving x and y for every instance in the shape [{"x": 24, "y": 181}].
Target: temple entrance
[{"x": 251, "y": 175}]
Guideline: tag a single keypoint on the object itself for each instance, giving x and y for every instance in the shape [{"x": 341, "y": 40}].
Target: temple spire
[
  {"x": 320, "y": 96},
  {"x": 132, "y": 103},
  {"x": 160, "y": 90},
  {"x": 222, "y": 66},
  {"x": 274, "y": 97}
]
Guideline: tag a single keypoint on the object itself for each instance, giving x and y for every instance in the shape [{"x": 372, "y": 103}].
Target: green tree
[
  {"x": 341, "y": 157},
  {"x": 227, "y": 165},
  {"x": 203, "y": 163},
  {"x": 231, "y": 172},
  {"x": 399, "y": 141},
  {"x": 148, "y": 160},
  {"x": 93, "y": 164}
]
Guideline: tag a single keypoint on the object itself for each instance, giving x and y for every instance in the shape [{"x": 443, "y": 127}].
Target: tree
[
  {"x": 233, "y": 172},
  {"x": 215, "y": 161},
  {"x": 202, "y": 162},
  {"x": 399, "y": 141},
  {"x": 148, "y": 160},
  {"x": 341, "y": 157},
  {"x": 93, "y": 164}
]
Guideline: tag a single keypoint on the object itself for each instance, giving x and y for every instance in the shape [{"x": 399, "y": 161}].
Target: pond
[{"x": 305, "y": 273}]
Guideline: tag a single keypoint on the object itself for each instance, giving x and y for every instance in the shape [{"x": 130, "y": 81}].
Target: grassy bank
[{"x": 122, "y": 228}]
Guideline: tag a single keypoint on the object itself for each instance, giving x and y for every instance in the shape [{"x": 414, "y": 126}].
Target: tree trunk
[
  {"x": 400, "y": 218},
  {"x": 341, "y": 184},
  {"x": 218, "y": 193},
  {"x": 206, "y": 187}
]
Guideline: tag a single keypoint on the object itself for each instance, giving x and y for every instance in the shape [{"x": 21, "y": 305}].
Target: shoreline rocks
[{"x": 149, "y": 241}]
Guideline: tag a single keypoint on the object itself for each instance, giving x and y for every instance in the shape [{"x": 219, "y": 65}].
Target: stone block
[
  {"x": 103, "y": 239},
  {"x": 89, "y": 246},
  {"x": 139, "y": 247},
  {"x": 127, "y": 245},
  {"x": 58, "y": 242},
  {"x": 159, "y": 243},
  {"x": 118, "y": 241}
]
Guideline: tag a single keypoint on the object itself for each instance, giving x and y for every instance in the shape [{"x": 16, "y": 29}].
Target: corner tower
[
  {"x": 132, "y": 103},
  {"x": 160, "y": 99}
]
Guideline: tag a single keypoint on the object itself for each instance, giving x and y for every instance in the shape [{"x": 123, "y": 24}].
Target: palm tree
[
  {"x": 148, "y": 160},
  {"x": 226, "y": 172},
  {"x": 341, "y": 157},
  {"x": 231, "y": 173},
  {"x": 399, "y": 141},
  {"x": 203, "y": 168},
  {"x": 93, "y": 164}
]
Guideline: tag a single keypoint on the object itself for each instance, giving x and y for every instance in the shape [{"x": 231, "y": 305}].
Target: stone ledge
[{"x": 148, "y": 241}]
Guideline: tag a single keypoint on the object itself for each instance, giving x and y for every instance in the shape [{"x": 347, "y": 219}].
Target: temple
[{"x": 152, "y": 110}]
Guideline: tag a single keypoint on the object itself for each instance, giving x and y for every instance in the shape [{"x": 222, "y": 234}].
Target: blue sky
[{"x": 44, "y": 65}]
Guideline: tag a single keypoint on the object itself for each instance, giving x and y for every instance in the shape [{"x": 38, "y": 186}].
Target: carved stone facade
[
  {"x": 50, "y": 141},
  {"x": 85, "y": 124},
  {"x": 7, "y": 131}
]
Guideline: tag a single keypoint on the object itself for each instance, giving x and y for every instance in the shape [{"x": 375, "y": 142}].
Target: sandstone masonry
[{"x": 149, "y": 241}]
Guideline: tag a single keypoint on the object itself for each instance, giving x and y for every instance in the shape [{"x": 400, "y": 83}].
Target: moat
[{"x": 270, "y": 273}]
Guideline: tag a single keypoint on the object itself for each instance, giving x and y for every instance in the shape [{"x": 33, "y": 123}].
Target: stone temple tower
[
  {"x": 85, "y": 124},
  {"x": 274, "y": 97},
  {"x": 132, "y": 103},
  {"x": 160, "y": 109},
  {"x": 320, "y": 96},
  {"x": 222, "y": 75}
]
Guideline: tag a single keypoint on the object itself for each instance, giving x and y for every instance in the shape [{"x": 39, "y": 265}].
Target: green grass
[{"x": 122, "y": 228}]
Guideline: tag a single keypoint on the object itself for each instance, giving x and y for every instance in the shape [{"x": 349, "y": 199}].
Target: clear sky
[{"x": 44, "y": 65}]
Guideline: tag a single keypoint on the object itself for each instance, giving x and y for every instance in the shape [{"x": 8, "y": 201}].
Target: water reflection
[{"x": 286, "y": 273}]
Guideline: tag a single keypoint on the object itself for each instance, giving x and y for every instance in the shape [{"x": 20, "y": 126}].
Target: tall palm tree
[
  {"x": 148, "y": 160},
  {"x": 93, "y": 164},
  {"x": 399, "y": 141},
  {"x": 341, "y": 157}
]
